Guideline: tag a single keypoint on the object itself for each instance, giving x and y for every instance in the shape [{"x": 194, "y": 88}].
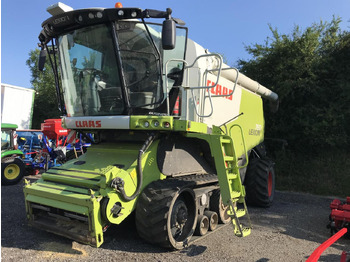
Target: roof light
[
  {"x": 118, "y": 5},
  {"x": 58, "y": 8},
  {"x": 99, "y": 15}
]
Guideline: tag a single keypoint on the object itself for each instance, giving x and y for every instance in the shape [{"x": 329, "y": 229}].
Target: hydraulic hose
[{"x": 118, "y": 183}]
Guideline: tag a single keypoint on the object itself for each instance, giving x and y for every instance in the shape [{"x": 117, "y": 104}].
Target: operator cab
[{"x": 111, "y": 60}]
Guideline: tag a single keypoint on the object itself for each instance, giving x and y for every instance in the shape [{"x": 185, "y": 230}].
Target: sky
[{"x": 222, "y": 26}]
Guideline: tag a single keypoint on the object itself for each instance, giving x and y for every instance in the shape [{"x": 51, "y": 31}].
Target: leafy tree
[
  {"x": 45, "y": 103},
  {"x": 309, "y": 70}
]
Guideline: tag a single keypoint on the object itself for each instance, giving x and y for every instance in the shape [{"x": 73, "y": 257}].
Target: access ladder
[{"x": 232, "y": 190}]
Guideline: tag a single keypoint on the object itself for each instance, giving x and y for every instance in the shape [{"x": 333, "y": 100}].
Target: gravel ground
[{"x": 290, "y": 230}]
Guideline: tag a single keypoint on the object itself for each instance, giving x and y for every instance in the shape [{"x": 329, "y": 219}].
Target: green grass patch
[{"x": 324, "y": 173}]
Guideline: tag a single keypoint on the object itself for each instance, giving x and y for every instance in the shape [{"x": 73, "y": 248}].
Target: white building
[{"x": 17, "y": 105}]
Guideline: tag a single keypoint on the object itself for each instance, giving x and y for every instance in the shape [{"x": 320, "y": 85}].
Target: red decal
[
  {"x": 229, "y": 97},
  {"x": 89, "y": 123},
  {"x": 220, "y": 90}
]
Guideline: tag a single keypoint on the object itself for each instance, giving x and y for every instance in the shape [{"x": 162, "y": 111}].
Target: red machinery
[
  {"x": 53, "y": 129},
  {"x": 318, "y": 251},
  {"x": 340, "y": 215},
  {"x": 339, "y": 225}
]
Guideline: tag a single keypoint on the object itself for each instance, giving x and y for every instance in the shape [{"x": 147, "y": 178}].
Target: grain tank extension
[{"x": 177, "y": 135}]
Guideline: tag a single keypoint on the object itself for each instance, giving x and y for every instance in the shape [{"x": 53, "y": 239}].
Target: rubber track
[
  {"x": 154, "y": 202},
  {"x": 152, "y": 210}
]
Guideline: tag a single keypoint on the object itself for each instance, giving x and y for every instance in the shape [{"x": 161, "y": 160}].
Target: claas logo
[
  {"x": 89, "y": 123},
  {"x": 220, "y": 90}
]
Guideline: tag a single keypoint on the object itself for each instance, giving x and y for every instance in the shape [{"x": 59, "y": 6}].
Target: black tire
[
  {"x": 260, "y": 182},
  {"x": 12, "y": 171},
  {"x": 217, "y": 206},
  {"x": 160, "y": 206}
]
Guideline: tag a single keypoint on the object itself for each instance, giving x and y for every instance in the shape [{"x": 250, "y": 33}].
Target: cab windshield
[{"x": 107, "y": 69}]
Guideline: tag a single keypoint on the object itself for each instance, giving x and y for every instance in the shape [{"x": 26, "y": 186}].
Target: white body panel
[
  {"x": 97, "y": 122},
  {"x": 219, "y": 109},
  {"x": 17, "y": 105},
  {"x": 224, "y": 107}
]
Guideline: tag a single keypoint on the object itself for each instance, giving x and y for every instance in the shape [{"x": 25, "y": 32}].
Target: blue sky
[{"x": 221, "y": 26}]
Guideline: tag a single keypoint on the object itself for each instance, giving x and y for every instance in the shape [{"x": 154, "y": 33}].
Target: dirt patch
[{"x": 290, "y": 230}]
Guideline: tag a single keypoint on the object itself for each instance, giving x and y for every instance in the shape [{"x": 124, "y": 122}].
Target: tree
[
  {"x": 310, "y": 72},
  {"x": 45, "y": 103}
]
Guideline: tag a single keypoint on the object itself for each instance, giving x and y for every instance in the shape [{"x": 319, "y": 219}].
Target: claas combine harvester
[{"x": 177, "y": 135}]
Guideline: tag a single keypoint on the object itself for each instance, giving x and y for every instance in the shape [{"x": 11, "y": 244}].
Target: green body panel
[
  {"x": 11, "y": 153},
  {"x": 252, "y": 124},
  {"x": 154, "y": 122},
  {"x": 8, "y": 126},
  {"x": 80, "y": 185}
]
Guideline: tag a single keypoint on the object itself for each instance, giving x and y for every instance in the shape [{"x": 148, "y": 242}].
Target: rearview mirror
[
  {"x": 42, "y": 59},
  {"x": 168, "y": 34}
]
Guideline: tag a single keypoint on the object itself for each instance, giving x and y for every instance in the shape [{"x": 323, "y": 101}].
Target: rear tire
[
  {"x": 260, "y": 182},
  {"x": 12, "y": 171},
  {"x": 166, "y": 214}
]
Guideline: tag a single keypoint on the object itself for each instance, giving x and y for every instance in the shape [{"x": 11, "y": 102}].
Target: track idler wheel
[
  {"x": 218, "y": 207},
  {"x": 202, "y": 225},
  {"x": 213, "y": 219}
]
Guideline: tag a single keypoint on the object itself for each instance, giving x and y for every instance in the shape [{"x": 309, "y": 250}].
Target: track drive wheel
[
  {"x": 218, "y": 206},
  {"x": 166, "y": 213},
  {"x": 12, "y": 171},
  {"x": 260, "y": 182}
]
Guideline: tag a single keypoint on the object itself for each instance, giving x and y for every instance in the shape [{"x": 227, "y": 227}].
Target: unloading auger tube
[
  {"x": 251, "y": 85},
  {"x": 118, "y": 183}
]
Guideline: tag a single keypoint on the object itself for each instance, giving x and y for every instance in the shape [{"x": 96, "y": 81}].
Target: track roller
[
  {"x": 202, "y": 225},
  {"x": 213, "y": 219}
]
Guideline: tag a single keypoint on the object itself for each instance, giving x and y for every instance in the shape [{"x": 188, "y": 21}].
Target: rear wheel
[
  {"x": 260, "y": 182},
  {"x": 166, "y": 214},
  {"x": 12, "y": 171}
]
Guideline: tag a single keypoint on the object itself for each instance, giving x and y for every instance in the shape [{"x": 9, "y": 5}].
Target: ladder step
[
  {"x": 228, "y": 158},
  {"x": 239, "y": 213},
  {"x": 225, "y": 141},
  {"x": 231, "y": 176},
  {"x": 235, "y": 194},
  {"x": 245, "y": 232}
]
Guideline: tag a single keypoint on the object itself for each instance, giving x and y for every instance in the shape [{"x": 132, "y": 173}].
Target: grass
[{"x": 323, "y": 173}]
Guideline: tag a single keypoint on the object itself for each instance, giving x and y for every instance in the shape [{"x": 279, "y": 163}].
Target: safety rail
[
  {"x": 218, "y": 70},
  {"x": 210, "y": 96},
  {"x": 244, "y": 145}
]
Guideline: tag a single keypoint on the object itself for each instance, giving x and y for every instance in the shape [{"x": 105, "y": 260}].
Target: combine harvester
[{"x": 175, "y": 131}]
